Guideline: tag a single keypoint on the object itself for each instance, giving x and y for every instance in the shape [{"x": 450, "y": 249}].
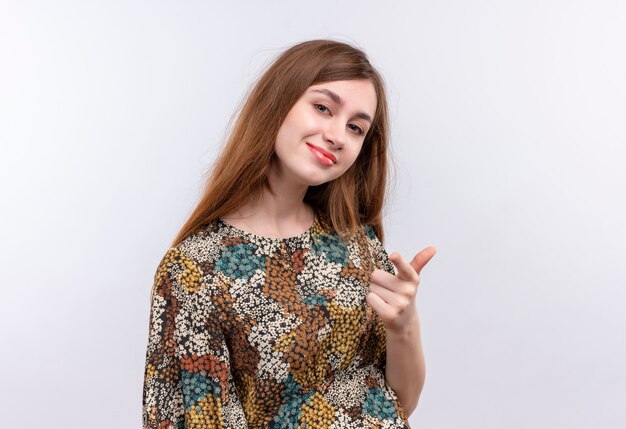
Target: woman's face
[{"x": 323, "y": 133}]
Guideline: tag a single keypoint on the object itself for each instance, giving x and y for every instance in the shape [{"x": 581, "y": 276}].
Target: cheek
[
  {"x": 354, "y": 155},
  {"x": 281, "y": 136},
  {"x": 351, "y": 160},
  {"x": 286, "y": 134},
  {"x": 303, "y": 121},
  {"x": 294, "y": 128}
]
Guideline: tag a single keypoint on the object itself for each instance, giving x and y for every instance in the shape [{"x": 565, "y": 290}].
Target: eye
[
  {"x": 356, "y": 129},
  {"x": 321, "y": 108}
]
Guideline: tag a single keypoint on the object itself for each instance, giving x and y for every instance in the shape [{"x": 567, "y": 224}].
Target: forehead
[{"x": 354, "y": 94}]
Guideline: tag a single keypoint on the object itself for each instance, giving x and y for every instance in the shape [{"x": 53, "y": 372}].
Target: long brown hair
[{"x": 240, "y": 172}]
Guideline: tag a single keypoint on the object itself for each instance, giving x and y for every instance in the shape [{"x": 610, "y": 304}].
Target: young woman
[{"x": 277, "y": 305}]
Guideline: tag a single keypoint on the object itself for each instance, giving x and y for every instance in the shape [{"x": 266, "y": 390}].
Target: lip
[{"x": 325, "y": 153}]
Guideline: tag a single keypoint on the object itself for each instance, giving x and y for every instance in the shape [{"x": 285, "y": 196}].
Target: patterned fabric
[{"x": 252, "y": 332}]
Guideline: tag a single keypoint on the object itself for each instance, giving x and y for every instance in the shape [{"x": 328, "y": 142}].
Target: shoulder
[
  {"x": 189, "y": 264},
  {"x": 367, "y": 232},
  {"x": 205, "y": 244},
  {"x": 377, "y": 249}
]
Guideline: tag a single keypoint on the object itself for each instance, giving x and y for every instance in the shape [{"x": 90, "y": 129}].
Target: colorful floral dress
[{"x": 252, "y": 332}]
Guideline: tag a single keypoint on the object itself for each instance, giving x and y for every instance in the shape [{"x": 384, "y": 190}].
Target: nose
[{"x": 335, "y": 134}]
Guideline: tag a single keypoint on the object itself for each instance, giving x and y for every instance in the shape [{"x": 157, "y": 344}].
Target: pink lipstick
[{"x": 322, "y": 155}]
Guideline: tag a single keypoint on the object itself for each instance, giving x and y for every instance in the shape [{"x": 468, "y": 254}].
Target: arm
[
  {"x": 187, "y": 379},
  {"x": 405, "y": 370},
  {"x": 393, "y": 298}
]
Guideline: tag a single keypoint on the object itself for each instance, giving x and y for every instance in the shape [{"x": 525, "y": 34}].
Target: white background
[{"x": 509, "y": 136}]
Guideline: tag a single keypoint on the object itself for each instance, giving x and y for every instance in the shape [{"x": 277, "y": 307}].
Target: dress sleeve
[
  {"x": 187, "y": 378},
  {"x": 380, "y": 255},
  {"x": 381, "y": 260}
]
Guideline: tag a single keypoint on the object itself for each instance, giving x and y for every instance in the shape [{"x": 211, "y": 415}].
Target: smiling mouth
[{"x": 323, "y": 156}]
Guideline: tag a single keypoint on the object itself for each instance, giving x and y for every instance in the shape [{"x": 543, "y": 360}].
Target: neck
[{"x": 282, "y": 213}]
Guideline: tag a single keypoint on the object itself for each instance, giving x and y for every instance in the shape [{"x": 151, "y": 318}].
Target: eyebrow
[{"x": 337, "y": 99}]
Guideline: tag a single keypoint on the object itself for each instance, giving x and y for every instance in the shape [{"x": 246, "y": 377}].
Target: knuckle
[
  {"x": 396, "y": 312},
  {"x": 409, "y": 291}
]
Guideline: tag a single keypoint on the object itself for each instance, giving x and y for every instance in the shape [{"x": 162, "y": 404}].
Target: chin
[
  {"x": 317, "y": 180},
  {"x": 321, "y": 181},
  {"x": 313, "y": 178}
]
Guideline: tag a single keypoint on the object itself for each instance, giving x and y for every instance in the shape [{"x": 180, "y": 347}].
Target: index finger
[{"x": 405, "y": 270}]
